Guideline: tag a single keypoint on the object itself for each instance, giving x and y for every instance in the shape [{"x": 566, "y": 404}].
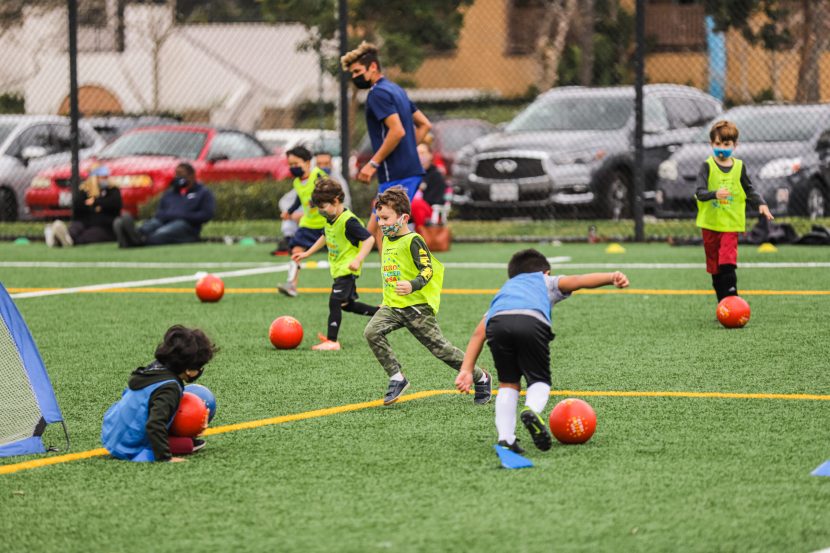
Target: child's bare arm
[
  {"x": 316, "y": 247},
  {"x": 464, "y": 380},
  {"x": 568, "y": 284}
]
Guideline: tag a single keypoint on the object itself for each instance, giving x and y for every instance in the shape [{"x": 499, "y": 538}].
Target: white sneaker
[
  {"x": 49, "y": 235},
  {"x": 288, "y": 289},
  {"x": 62, "y": 234}
]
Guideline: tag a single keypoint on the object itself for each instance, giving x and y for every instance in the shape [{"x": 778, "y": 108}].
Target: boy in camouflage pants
[{"x": 412, "y": 281}]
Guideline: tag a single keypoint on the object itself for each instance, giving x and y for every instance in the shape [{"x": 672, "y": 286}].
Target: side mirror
[
  {"x": 33, "y": 152},
  {"x": 217, "y": 157}
]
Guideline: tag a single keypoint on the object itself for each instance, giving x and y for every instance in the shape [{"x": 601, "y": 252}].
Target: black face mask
[
  {"x": 180, "y": 182},
  {"x": 360, "y": 81}
]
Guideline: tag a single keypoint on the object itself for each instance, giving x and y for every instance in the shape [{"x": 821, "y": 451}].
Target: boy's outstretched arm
[
  {"x": 568, "y": 284},
  {"x": 464, "y": 380}
]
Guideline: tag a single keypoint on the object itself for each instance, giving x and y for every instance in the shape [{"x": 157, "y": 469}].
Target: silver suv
[{"x": 29, "y": 144}]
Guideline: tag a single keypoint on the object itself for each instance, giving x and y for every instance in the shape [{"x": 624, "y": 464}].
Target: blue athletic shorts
[
  {"x": 410, "y": 184},
  {"x": 305, "y": 237}
]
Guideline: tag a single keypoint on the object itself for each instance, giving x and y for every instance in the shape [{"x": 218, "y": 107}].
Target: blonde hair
[{"x": 364, "y": 54}]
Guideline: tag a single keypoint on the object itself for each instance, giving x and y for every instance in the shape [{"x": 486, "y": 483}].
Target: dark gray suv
[{"x": 571, "y": 152}]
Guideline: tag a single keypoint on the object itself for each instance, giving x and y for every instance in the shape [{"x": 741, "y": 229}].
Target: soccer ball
[
  {"x": 733, "y": 312},
  {"x": 286, "y": 332},
  {"x": 210, "y": 288},
  {"x": 573, "y": 421},
  {"x": 191, "y": 418},
  {"x": 206, "y": 395}
]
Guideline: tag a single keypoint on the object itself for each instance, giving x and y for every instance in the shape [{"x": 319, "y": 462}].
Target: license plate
[
  {"x": 505, "y": 192},
  {"x": 65, "y": 199}
]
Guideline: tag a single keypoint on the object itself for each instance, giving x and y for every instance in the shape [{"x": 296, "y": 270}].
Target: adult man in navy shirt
[
  {"x": 396, "y": 126},
  {"x": 182, "y": 211}
]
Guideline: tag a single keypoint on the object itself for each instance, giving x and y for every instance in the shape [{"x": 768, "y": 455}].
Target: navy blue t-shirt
[{"x": 385, "y": 99}]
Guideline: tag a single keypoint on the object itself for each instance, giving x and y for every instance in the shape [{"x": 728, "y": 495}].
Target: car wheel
[
  {"x": 8, "y": 205},
  {"x": 616, "y": 202},
  {"x": 816, "y": 201}
]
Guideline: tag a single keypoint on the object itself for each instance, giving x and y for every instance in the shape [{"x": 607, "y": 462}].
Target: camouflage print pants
[{"x": 423, "y": 324}]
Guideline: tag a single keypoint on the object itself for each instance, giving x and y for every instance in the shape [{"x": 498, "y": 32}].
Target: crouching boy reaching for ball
[
  {"x": 517, "y": 328},
  {"x": 136, "y": 427},
  {"x": 412, "y": 281}
]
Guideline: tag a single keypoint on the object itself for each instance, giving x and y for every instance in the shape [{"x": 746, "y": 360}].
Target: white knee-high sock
[
  {"x": 293, "y": 268},
  {"x": 537, "y": 396},
  {"x": 507, "y": 401}
]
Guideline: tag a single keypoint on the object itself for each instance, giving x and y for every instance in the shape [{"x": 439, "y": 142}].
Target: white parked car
[{"x": 30, "y": 144}]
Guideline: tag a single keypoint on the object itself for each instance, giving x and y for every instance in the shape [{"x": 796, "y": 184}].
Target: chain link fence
[{"x": 532, "y": 104}]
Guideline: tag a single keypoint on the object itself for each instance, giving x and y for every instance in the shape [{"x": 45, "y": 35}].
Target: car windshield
[
  {"x": 574, "y": 114},
  {"x": 180, "y": 144},
  {"x": 5, "y": 131},
  {"x": 455, "y": 137},
  {"x": 775, "y": 125}
]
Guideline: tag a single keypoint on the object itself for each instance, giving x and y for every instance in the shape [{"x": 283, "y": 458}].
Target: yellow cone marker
[
  {"x": 310, "y": 265},
  {"x": 766, "y": 247},
  {"x": 614, "y": 248}
]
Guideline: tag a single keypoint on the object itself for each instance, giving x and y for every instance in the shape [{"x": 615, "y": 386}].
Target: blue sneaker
[
  {"x": 396, "y": 388},
  {"x": 483, "y": 390}
]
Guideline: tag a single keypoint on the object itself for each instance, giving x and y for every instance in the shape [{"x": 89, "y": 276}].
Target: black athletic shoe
[
  {"x": 514, "y": 447},
  {"x": 484, "y": 390},
  {"x": 536, "y": 426},
  {"x": 198, "y": 444},
  {"x": 396, "y": 388}
]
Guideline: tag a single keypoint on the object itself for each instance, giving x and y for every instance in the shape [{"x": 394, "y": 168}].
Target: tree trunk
[
  {"x": 814, "y": 42},
  {"x": 586, "y": 42},
  {"x": 549, "y": 47}
]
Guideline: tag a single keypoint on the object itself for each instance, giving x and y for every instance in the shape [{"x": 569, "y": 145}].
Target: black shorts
[
  {"x": 520, "y": 345},
  {"x": 344, "y": 289},
  {"x": 305, "y": 237}
]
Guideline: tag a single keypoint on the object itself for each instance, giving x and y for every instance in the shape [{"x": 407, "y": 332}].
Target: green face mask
[{"x": 392, "y": 230}]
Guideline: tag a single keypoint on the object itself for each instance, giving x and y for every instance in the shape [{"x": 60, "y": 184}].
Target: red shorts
[{"x": 721, "y": 249}]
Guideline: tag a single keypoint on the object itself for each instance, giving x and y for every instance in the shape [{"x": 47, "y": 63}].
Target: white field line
[
  {"x": 562, "y": 262},
  {"x": 212, "y": 264},
  {"x": 151, "y": 282}
]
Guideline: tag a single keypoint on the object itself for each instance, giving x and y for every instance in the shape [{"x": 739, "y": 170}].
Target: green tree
[
  {"x": 774, "y": 25},
  {"x": 407, "y": 30}
]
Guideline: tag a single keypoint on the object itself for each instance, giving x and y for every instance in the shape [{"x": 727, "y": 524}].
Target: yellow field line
[
  {"x": 452, "y": 291},
  {"x": 318, "y": 413}
]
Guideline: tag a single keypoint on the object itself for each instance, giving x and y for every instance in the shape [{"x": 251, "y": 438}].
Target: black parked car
[
  {"x": 786, "y": 149},
  {"x": 571, "y": 152}
]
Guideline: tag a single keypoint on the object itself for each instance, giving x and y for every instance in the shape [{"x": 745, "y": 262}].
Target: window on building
[
  {"x": 523, "y": 20},
  {"x": 676, "y": 25}
]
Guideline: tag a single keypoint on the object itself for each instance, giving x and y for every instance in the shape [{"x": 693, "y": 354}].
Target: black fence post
[
  {"x": 343, "y": 21},
  {"x": 639, "y": 177},
  {"x": 72, "y": 5}
]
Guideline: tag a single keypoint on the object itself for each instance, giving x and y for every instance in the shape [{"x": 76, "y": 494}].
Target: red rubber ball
[
  {"x": 573, "y": 421},
  {"x": 286, "y": 332}
]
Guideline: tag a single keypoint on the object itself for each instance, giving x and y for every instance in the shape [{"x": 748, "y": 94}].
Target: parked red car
[{"x": 142, "y": 163}]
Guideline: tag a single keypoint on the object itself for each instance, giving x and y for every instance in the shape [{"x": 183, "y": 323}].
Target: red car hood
[{"x": 133, "y": 165}]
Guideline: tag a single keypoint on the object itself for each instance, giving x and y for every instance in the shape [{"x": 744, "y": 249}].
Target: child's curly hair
[
  {"x": 326, "y": 191},
  {"x": 395, "y": 199},
  {"x": 185, "y": 348}
]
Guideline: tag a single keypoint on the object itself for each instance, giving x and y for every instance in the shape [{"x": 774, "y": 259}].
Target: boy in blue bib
[
  {"x": 136, "y": 426},
  {"x": 517, "y": 327}
]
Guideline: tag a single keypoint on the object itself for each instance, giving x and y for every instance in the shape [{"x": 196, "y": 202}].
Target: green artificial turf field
[{"x": 661, "y": 473}]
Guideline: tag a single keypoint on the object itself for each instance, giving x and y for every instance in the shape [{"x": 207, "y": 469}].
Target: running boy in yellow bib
[
  {"x": 348, "y": 243},
  {"x": 412, "y": 281}
]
